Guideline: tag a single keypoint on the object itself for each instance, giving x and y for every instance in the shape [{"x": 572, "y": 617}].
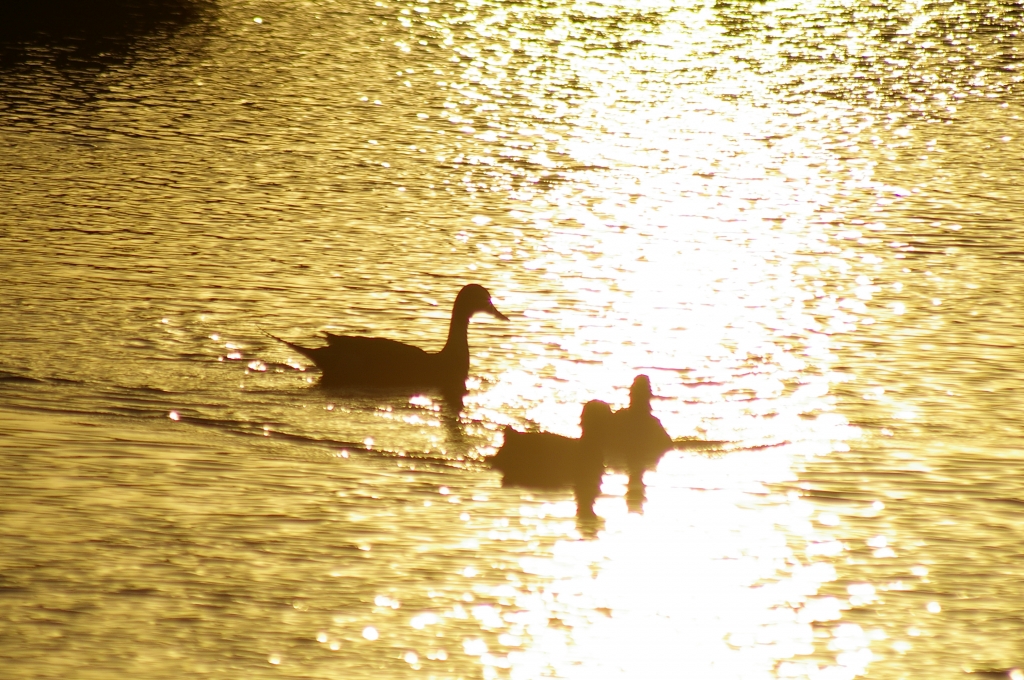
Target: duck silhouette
[
  {"x": 357, "y": 361},
  {"x": 542, "y": 460},
  {"x": 636, "y": 439}
]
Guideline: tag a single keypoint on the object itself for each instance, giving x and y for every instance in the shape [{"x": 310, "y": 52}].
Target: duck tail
[{"x": 304, "y": 351}]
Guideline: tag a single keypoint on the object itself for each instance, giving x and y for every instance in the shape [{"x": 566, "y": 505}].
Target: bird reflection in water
[{"x": 353, "y": 361}]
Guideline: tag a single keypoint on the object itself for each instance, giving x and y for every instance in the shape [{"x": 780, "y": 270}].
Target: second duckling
[{"x": 636, "y": 438}]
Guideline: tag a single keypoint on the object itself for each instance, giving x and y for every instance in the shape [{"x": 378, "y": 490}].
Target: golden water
[{"x": 799, "y": 218}]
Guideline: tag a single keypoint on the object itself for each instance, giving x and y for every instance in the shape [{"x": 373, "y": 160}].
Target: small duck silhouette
[
  {"x": 550, "y": 461},
  {"x": 356, "y": 361},
  {"x": 636, "y": 438}
]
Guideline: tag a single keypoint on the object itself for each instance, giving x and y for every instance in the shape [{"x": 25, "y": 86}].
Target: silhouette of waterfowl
[
  {"x": 636, "y": 439},
  {"x": 357, "y": 361},
  {"x": 542, "y": 460}
]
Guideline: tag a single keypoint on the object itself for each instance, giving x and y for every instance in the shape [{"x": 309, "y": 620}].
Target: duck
[
  {"x": 357, "y": 361},
  {"x": 636, "y": 439},
  {"x": 543, "y": 460}
]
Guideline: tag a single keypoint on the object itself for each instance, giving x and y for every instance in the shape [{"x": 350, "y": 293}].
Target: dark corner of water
[{"x": 79, "y": 33}]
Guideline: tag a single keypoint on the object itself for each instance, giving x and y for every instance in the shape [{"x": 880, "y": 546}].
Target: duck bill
[{"x": 494, "y": 312}]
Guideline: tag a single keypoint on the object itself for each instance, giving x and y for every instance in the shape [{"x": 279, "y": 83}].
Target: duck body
[
  {"x": 377, "y": 362},
  {"x": 637, "y": 442},
  {"x": 356, "y": 361},
  {"x": 636, "y": 439},
  {"x": 542, "y": 460}
]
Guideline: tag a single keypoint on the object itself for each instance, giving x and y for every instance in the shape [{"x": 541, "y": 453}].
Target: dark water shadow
[
  {"x": 6, "y": 377},
  {"x": 85, "y": 34}
]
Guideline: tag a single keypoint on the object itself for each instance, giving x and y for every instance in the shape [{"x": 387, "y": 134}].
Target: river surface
[{"x": 802, "y": 219}]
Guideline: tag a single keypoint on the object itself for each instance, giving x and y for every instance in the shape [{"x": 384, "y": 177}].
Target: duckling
[
  {"x": 636, "y": 439},
  {"x": 355, "y": 361},
  {"x": 548, "y": 461}
]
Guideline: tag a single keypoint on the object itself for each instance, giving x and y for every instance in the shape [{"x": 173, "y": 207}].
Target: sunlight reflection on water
[{"x": 704, "y": 278}]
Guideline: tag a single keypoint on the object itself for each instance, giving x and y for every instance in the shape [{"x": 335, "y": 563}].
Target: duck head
[
  {"x": 640, "y": 393},
  {"x": 595, "y": 418},
  {"x": 474, "y": 298}
]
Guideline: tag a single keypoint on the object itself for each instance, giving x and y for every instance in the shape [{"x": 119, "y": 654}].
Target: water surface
[{"x": 799, "y": 218}]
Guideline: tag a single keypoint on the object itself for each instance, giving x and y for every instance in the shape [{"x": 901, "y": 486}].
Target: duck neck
[
  {"x": 640, "y": 405},
  {"x": 456, "y": 349}
]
